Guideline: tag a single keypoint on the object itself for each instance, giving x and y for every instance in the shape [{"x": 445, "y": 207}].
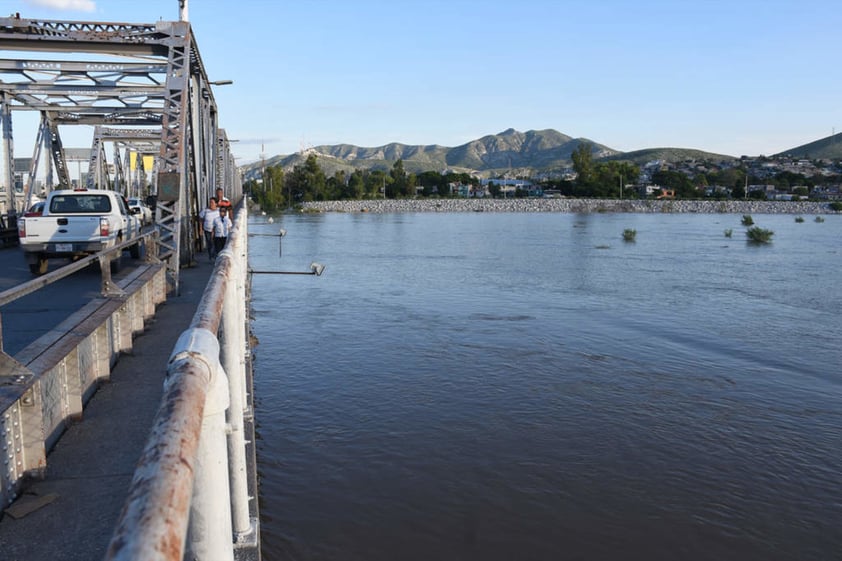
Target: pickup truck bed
[{"x": 77, "y": 223}]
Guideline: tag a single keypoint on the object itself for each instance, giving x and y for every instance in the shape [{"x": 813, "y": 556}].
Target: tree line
[{"x": 308, "y": 182}]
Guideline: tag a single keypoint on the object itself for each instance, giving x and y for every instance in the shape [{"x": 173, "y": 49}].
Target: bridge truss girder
[
  {"x": 123, "y": 74},
  {"x": 139, "y": 141}
]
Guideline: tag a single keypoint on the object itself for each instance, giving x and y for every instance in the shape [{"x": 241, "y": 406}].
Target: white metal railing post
[
  {"x": 232, "y": 338},
  {"x": 241, "y": 251},
  {"x": 209, "y": 530}
]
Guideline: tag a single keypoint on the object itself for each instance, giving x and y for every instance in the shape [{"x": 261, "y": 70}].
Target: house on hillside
[{"x": 828, "y": 192}]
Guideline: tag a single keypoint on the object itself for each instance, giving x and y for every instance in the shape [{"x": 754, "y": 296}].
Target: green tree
[
  {"x": 785, "y": 180},
  {"x": 377, "y": 183},
  {"x": 269, "y": 193},
  {"x": 608, "y": 177},
  {"x": 400, "y": 184},
  {"x": 583, "y": 163},
  {"x": 411, "y": 184},
  {"x": 355, "y": 187},
  {"x": 316, "y": 180},
  {"x": 335, "y": 186},
  {"x": 677, "y": 181}
]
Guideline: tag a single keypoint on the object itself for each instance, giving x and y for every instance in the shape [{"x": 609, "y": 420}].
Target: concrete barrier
[{"x": 45, "y": 387}]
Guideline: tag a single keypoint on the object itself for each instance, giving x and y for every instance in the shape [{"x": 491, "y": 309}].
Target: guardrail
[
  {"x": 46, "y": 385},
  {"x": 193, "y": 494},
  {"x": 148, "y": 240}
]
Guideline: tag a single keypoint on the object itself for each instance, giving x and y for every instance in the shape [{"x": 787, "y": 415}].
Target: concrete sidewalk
[{"x": 91, "y": 466}]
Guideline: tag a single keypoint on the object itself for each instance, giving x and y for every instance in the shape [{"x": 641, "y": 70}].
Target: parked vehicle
[
  {"x": 35, "y": 210},
  {"x": 77, "y": 223},
  {"x": 137, "y": 206}
]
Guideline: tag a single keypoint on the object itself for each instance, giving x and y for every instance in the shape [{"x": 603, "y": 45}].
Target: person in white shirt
[
  {"x": 221, "y": 228},
  {"x": 207, "y": 217}
]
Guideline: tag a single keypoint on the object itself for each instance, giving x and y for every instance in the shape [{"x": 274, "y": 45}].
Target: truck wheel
[{"x": 39, "y": 267}]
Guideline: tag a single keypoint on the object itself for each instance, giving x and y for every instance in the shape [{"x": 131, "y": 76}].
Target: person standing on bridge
[
  {"x": 207, "y": 216},
  {"x": 222, "y": 200},
  {"x": 221, "y": 228}
]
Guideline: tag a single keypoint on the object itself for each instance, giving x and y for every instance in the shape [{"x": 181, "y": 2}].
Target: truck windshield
[{"x": 68, "y": 204}]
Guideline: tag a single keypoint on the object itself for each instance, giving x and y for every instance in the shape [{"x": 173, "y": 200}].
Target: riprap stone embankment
[{"x": 569, "y": 205}]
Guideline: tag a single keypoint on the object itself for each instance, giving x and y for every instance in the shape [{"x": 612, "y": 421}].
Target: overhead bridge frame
[{"x": 122, "y": 75}]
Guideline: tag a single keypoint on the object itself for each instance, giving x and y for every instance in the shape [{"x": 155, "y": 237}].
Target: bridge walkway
[{"x": 76, "y": 507}]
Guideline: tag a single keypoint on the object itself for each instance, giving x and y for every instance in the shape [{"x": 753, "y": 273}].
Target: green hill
[
  {"x": 641, "y": 157},
  {"x": 509, "y": 152},
  {"x": 829, "y": 148}
]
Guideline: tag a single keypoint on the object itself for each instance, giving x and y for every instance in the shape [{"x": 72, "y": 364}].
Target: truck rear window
[{"x": 69, "y": 204}]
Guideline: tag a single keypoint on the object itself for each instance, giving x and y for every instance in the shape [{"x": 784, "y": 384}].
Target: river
[{"x": 498, "y": 386}]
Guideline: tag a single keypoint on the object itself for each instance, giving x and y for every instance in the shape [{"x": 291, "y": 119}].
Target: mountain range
[{"x": 518, "y": 153}]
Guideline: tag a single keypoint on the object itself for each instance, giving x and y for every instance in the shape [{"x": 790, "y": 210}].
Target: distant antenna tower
[
  {"x": 262, "y": 162},
  {"x": 304, "y": 147}
]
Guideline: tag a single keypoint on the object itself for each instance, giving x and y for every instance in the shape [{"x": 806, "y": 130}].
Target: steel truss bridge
[{"x": 145, "y": 91}]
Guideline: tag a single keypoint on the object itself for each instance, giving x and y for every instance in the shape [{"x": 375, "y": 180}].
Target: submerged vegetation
[{"x": 759, "y": 235}]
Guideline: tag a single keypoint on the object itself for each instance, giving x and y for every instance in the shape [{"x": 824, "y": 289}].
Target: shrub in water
[
  {"x": 799, "y": 219},
  {"x": 819, "y": 219},
  {"x": 759, "y": 235},
  {"x": 747, "y": 220},
  {"x": 728, "y": 232},
  {"x": 629, "y": 234}
]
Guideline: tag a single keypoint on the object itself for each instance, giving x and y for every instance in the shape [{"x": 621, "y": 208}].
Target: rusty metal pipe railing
[
  {"x": 153, "y": 524},
  {"x": 179, "y": 502}
]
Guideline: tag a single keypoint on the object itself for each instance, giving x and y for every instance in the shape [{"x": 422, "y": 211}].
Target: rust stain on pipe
[
  {"x": 153, "y": 524},
  {"x": 209, "y": 311}
]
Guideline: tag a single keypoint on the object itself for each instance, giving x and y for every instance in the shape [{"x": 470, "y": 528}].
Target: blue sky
[{"x": 733, "y": 77}]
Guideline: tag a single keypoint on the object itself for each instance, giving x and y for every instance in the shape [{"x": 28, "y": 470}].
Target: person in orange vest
[{"x": 221, "y": 200}]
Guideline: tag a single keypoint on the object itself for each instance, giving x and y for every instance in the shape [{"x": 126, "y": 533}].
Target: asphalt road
[{"x": 26, "y": 319}]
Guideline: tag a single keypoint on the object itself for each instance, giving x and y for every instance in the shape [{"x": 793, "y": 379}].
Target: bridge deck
[{"x": 88, "y": 473}]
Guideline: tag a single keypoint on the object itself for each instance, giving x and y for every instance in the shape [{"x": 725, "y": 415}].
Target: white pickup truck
[{"x": 77, "y": 223}]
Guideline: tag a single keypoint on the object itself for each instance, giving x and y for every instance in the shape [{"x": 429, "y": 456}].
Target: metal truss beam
[
  {"x": 92, "y": 37},
  {"x": 156, "y": 80}
]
